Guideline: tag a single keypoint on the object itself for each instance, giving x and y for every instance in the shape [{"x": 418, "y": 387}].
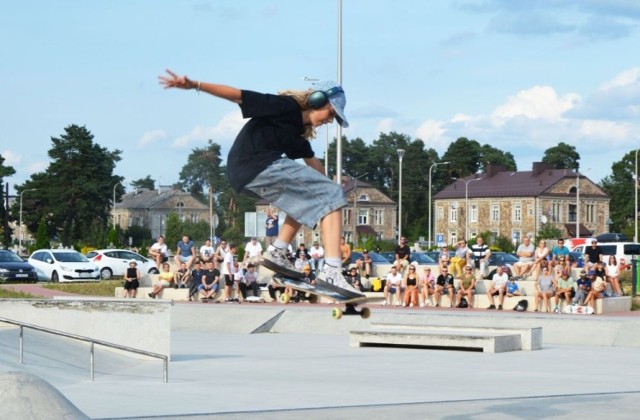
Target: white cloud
[
  {"x": 226, "y": 129},
  {"x": 626, "y": 78},
  {"x": 151, "y": 137},
  {"x": 432, "y": 132},
  {"x": 385, "y": 125},
  {"x": 38, "y": 166},
  {"x": 610, "y": 131},
  {"x": 11, "y": 158},
  {"x": 538, "y": 102}
]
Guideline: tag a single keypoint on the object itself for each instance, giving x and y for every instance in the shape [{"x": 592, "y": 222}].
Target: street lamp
[
  {"x": 339, "y": 127},
  {"x": 326, "y": 144},
  {"x": 400, "y": 155},
  {"x": 578, "y": 203},
  {"x": 20, "y": 236},
  {"x": 114, "y": 203},
  {"x": 466, "y": 204},
  {"x": 430, "y": 238},
  {"x": 636, "y": 185}
]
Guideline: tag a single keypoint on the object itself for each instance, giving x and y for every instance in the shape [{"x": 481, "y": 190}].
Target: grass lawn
[
  {"x": 11, "y": 294},
  {"x": 101, "y": 288}
]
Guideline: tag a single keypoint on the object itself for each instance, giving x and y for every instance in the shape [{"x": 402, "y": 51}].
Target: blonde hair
[{"x": 302, "y": 98}]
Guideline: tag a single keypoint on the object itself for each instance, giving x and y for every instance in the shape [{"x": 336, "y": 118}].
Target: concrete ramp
[{"x": 26, "y": 396}]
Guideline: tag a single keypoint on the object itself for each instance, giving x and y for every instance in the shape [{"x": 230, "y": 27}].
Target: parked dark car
[
  {"x": 15, "y": 269},
  {"x": 504, "y": 259}
]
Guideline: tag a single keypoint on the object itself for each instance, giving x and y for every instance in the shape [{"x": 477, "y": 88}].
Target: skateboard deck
[
  {"x": 575, "y": 309},
  {"x": 350, "y": 302},
  {"x": 254, "y": 299}
]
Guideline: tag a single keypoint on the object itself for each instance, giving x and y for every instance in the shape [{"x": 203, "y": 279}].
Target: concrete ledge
[{"x": 487, "y": 342}]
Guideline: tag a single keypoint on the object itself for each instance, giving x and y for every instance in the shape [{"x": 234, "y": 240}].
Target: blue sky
[{"x": 519, "y": 75}]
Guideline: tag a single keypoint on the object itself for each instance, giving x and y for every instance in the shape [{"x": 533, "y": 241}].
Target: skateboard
[
  {"x": 575, "y": 309},
  {"x": 316, "y": 292},
  {"x": 207, "y": 300},
  {"x": 254, "y": 299}
]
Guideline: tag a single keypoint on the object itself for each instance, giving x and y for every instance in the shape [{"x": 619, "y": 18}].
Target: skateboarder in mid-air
[{"x": 281, "y": 125}]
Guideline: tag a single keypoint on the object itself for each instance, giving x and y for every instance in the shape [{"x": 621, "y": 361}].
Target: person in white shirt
[
  {"x": 317, "y": 257},
  {"x": 228, "y": 271},
  {"x": 159, "y": 252},
  {"x": 206, "y": 252},
  {"x": 393, "y": 286},
  {"x": 525, "y": 255},
  {"x": 498, "y": 287},
  {"x": 252, "y": 253}
]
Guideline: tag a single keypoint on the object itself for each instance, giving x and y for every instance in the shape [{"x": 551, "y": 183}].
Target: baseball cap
[
  {"x": 583, "y": 272},
  {"x": 337, "y": 99},
  {"x": 306, "y": 267},
  {"x": 591, "y": 273}
]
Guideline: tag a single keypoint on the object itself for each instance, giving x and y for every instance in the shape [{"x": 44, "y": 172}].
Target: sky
[{"x": 518, "y": 75}]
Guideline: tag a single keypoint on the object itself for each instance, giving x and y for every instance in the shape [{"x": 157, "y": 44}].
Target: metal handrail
[{"x": 92, "y": 341}]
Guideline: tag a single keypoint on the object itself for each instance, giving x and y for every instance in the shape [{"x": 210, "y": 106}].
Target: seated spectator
[
  {"x": 181, "y": 277},
  {"x": 165, "y": 279},
  {"x": 562, "y": 263},
  {"x": 196, "y": 278},
  {"x": 467, "y": 287},
  {"x": 513, "y": 289},
  {"x": 600, "y": 271},
  {"x": 444, "y": 281},
  {"x": 252, "y": 253},
  {"x": 525, "y": 253},
  {"x": 250, "y": 281},
  {"x": 443, "y": 257},
  {"x": 210, "y": 282},
  {"x": 317, "y": 257},
  {"x": 274, "y": 288},
  {"x": 592, "y": 254},
  {"x": 540, "y": 259},
  {"x": 613, "y": 273},
  {"x": 309, "y": 277},
  {"x": 345, "y": 252},
  {"x": 393, "y": 286},
  {"x": 132, "y": 280},
  {"x": 459, "y": 260},
  {"x": 498, "y": 287},
  {"x": 583, "y": 288},
  {"x": 428, "y": 286},
  {"x": 159, "y": 252},
  {"x": 565, "y": 289},
  {"x": 206, "y": 252},
  {"x": 353, "y": 277},
  {"x": 365, "y": 264},
  {"x": 479, "y": 254},
  {"x": 544, "y": 290},
  {"x": 598, "y": 287},
  {"x": 185, "y": 252},
  {"x": 410, "y": 284},
  {"x": 403, "y": 255}
]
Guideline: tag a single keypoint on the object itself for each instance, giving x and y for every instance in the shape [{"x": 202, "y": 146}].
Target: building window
[
  {"x": 363, "y": 216},
  {"x": 515, "y": 236},
  {"x": 378, "y": 216},
  {"x": 363, "y": 197},
  {"x": 473, "y": 213},
  {"x": 591, "y": 213},
  {"x": 453, "y": 235},
  {"x": 453, "y": 212},
  {"x": 530, "y": 210},
  {"x": 517, "y": 212},
  {"x": 472, "y": 233},
  {"x": 556, "y": 212},
  {"x": 572, "y": 213},
  {"x": 495, "y": 212},
  {"x": 439, "y": 213},
  {"x": 346, "y": 216}
]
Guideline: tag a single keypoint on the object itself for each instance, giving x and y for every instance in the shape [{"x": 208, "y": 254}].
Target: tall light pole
[
  {"x": 466, "y": 205},
  {"x": 326, "y": 143},
  {"x": 114, "y": 203},
  {"x": 339, "y": 129},
  {"x": 400, "y": 155},
  {"x": 578, "y": 203},
  {"x": 635, "y": 187},
  {"x": 20, "y": 235},
  {"x": 430, "y": 237}
]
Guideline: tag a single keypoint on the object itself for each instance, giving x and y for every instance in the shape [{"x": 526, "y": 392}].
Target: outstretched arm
[{"x": 172, "y": 80}]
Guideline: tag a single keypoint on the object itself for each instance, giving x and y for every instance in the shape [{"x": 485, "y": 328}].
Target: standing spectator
[
  {"x": 613, "y": 273},
  {"x": 565, "y": 289},
  {"x": 252, "y": 253},
  {"x": 228, "y": 271},
  {"x": 132, "y": 280},
  {"x": 165, "y": 278},
  {"x": 459, "y": 260},
  {"x": 196, "y": 278},
  {"x": 592, "y": 254},
  {"x": 159, "y": 252},
  {"x": 271, "y": 226},
  {"x": 410, "y": 284},
  {"x": 583, "y": 289},
  {"x": 393, "y": 286},
  {"x": 479, "y": 254},
  {"x": 317, "y": 257},
  {"x": 444, "y": 281},
  {"x": 544, "y": 290},
  {"x": 185, "y": 252},
  {"x": 403, "y": 255},
  {"x": 221, "y": 251},
  {"x": 467, "y": 287},
  {"x": 182, "y": 277},
  {"x": 206, "y": 252},
  {"x": 428, "y": 284},
  {"x": 498, "y": 287},
  {"x": 525, "y": 254},
  {"x": 210, "y": 282},
  {"x": 345, "y": 253}
]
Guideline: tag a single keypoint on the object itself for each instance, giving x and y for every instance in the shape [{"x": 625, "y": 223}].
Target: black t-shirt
[
  {"x": 403, "y": 250},
  {"x": 275, "y": 128},
  {"x": 593, "y": 253},
  {"x": 444, "y": 280},
  {"x": 210, "y": 275}
]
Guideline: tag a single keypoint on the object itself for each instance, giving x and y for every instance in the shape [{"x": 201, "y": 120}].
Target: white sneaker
[
  {"x": 385, "y": 303},
  {"x": 411, "y": 305},
  {"x": 276, "y": 260},
  {"x": 404, "y": 304},
  {"x": 331, "y": 277}
]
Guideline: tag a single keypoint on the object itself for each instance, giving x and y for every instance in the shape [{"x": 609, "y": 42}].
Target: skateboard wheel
[
  {"x": 285, "y": 298},
  {"x": 365, "y": 313},
  {"x": 336, "y": 313},
  {"x": 313, "y": 298}
]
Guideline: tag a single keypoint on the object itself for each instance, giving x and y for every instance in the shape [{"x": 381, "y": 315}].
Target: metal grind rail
[{"x": 91, "y": 341}]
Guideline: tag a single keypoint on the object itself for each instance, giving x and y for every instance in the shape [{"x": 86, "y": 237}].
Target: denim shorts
[{"x": 300, "y": 191}]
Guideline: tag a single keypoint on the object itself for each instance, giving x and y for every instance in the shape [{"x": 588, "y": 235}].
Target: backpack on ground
[
  {"x": 463, "y": 303},
  {"x": 521, "y": 306}
]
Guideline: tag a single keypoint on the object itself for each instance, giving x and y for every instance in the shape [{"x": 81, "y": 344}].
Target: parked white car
[
  {"x": 63, "y": 265},
  {"x": 114, "y": 262}
]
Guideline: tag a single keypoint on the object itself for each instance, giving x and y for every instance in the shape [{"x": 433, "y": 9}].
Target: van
[
  {"x": 612, "y": 237},
  {"x": 622, "y": 250}
]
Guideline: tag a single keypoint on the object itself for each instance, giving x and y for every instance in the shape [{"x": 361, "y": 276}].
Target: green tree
[
  {"x": 75, "y": 192},
  {"x": 5, "y": 171},
  {"x": 464, "y": 156},
  {"x": 562, "y": 156},
  {"x": 548, "y": 231},
  {"x": 619, "y": 186},
  {"x": 492, "y": 155},
  {"x": 204, "y": 170},
  {"x": 42, "y": 236},
  {"x": 174, "y": 230},
  {"x": 146, "y": 182}
]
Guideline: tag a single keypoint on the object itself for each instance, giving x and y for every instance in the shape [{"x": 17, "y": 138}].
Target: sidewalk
[{"x": 36, "y": 290}]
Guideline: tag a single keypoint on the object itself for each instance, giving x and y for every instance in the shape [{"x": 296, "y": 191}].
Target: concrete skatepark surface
[{"x": 305, "y": 368}]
